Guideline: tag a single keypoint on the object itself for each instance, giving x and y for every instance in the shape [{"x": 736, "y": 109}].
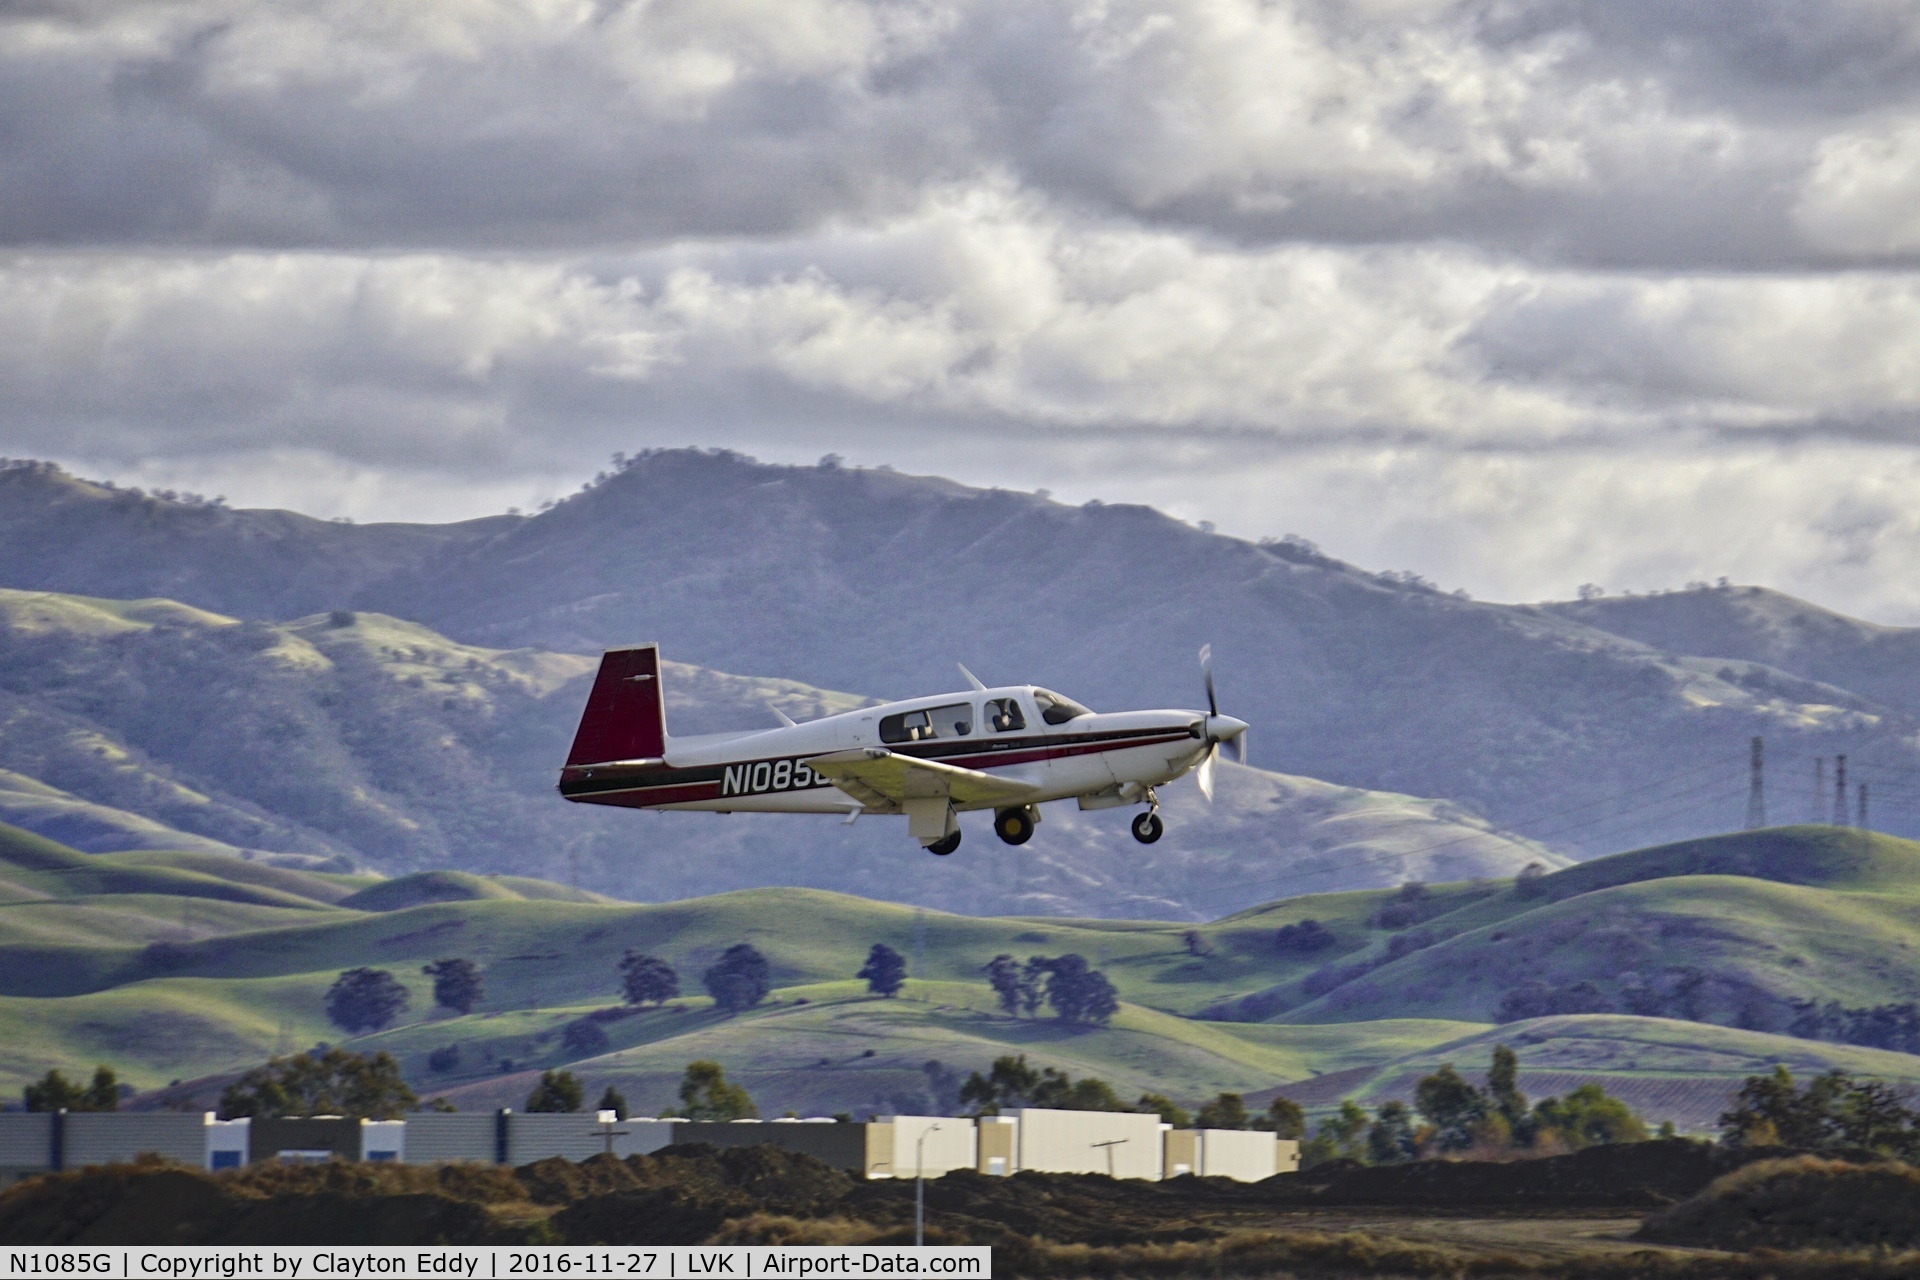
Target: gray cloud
[
  {"x": 1513, "y": 295},
  {"x": 1622, "y": 134}
]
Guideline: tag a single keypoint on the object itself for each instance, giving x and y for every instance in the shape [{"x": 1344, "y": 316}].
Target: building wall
[
  {"x": 879, "y": 1148},
  {"x": 106, "y": 1137},
  {"x": 950, "y": 1144},
  {"x": 844, "y": 1146},
  {"x": 997, "y": 1140},
  {"x": 26, "y": 1145},
  {"x": 436, "y": 1136},
  {"x": 1286, "y": 1156},
  {"x": 577, "y": 1135},
  {"x": 1180, "y": 1152},
  {"x": 336, "y": 1136},
  {"x": 1245, "y": 1155},
  {"x": 1124, "y": 1144}
]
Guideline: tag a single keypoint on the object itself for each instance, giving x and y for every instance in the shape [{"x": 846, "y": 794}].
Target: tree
[
  {"x": 1340, "y": 1137},
  {"x": 444, "y": 1059},
  {"x": 613, "y": 1100},
  {"x": 557, "y": 1091},
  {"x": 1503, "y": 1089},
  {"x": 885, "y": 971},
  {"x": 584, "y": 1039},
  {"x": 1390, "y": 1140},
  {"x": 1588, "y": 1117},
  {"x": 1832, "y": 1111},
  {"x": 1195, "y": 944},
  {"x": 1079, "y": 993},
  {"x": 333, "y": 1082},
  {"x": 1008, "y": 1082},
  {"x": 456, "y": 984},
  {"x": 1169, "y": 1111},
  {"x": 707, "y": 1094},
  {"x": 365, "y": 999},
  {"x": 1285, "y": 1118},
  {"x": 1003, "y": 975},
  {"x": 646, "y": 980},
  {"x": 1303, "y": 939},
  {"x": 739, "y": 979},
  {"x": 1033, "y": 984},
  {"x": 54, "y": 1092},
  {"x": 1228, "y": 1111},
  {"x": 1452, "y": 1106},
  {"x": 1528, "y": 883}
]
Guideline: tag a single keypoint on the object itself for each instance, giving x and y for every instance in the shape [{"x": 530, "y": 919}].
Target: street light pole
[{"x": 920, "y": 1187}]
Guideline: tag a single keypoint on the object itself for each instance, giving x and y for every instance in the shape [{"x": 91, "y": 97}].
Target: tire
[
  {"x": 945, "y": 845},
  {"x": 1015, "y": 826},
  {"x": 1147, "y": 827}
]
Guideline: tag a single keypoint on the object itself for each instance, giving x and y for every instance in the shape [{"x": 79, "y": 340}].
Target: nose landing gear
[{"x": 946, "y": 844}]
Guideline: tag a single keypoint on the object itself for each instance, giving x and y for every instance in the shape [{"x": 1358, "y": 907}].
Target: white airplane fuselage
[
  {"x": 1008, "y": 749},
  {"x": 766, "y": 771}
]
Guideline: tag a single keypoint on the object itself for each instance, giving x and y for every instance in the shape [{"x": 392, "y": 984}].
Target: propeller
[{"x": 1219, "y": 730}]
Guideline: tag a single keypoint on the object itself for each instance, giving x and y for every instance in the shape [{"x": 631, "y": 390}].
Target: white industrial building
[{"x": 1116, "y": 1143}]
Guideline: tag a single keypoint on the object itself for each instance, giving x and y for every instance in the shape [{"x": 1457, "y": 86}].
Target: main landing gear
[
  {"x": 1015, "y": 826},
  {"x": 945, "y": 845},
  {"x": 1147, "y": 827}
]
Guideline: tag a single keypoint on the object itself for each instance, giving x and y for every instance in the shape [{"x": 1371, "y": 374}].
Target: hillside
[
  {"x": 150, "y": 725},
  {"x": 1537, "y": 718},
  {"x": 190, "y": 966},
  {"x": 1730, "y": 930}
]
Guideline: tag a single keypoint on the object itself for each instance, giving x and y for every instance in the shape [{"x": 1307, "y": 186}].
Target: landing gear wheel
[
  {"x": 1147, "y": 827},
  {"x": 945, "y": 845},
  {"x": 1015, "y": 826}
]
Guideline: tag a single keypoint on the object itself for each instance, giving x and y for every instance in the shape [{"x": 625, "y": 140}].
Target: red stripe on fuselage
[{"x": 648, "y": 797}]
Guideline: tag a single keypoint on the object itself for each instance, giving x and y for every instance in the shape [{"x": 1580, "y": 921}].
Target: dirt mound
[
  {"x": 1639, "y": 1175},
  {"x": 1802, "y": 1203},
  {"x": 154, "y": 1203}
]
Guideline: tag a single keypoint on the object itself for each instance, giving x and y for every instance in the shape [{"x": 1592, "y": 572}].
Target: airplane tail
[{"x": 626, "y": 715}]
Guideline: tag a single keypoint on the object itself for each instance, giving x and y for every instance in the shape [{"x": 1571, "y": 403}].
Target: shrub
[
  {"x": 329, "y": 1082},
  {"x": 444, "y": 1059},
  {"x": 456, "y": 984},
  {"x": 1304, "y": 939},
  {"x": 707, "y": 1094}
]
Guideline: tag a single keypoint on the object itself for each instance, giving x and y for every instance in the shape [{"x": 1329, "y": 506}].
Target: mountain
[
  {"x": 1534, "y": 718},
  {"x": 1753, "y": 624},
  {"x": 356, "y": 739}
]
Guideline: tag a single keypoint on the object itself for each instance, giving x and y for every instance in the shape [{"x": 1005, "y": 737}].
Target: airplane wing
[{"x": 882, "y": 779}]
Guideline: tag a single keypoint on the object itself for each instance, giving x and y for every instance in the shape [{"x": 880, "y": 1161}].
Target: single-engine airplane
[{"x": 1008, "y": 749}]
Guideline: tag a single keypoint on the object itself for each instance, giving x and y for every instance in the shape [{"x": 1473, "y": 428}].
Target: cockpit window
[
  {"x": 1004, "y": 715},
  {"x": 955, "y": 721},
  {"x": 1055, "y": 709}
]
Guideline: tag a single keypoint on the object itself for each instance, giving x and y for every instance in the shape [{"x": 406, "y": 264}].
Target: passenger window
[
  {"x": 1004, "y": 716},
  {"x": 955, "y": 721}
]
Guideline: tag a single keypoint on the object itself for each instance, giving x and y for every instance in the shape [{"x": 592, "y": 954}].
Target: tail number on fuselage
[{"x": 769, "y": 775}]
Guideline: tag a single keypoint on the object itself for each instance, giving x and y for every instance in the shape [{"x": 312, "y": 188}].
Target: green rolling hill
[{"x": 188, "y": 966}]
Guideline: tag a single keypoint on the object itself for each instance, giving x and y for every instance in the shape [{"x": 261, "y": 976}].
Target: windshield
[{"x": 1055, "y": 709}]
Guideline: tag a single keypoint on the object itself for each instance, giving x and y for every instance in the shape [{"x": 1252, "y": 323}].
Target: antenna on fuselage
[
  {"x": 972, "y": 679},
  {"x": 785, "y": 719}
]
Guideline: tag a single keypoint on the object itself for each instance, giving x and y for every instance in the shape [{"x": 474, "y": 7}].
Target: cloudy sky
[{"x": 1517, "y": 294}]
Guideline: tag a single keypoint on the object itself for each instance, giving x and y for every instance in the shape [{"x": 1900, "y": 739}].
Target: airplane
[{"x": 1009, "y": 749}]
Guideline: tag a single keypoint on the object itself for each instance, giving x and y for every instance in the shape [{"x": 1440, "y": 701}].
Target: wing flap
[{"x": 871, "y": 774}]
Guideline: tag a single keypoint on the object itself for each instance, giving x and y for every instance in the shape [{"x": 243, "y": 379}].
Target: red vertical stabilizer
[{"x": 626, "y": 715}]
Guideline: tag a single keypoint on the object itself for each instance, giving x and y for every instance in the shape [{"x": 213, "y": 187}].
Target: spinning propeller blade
[{"x": 1220, "y": 730}]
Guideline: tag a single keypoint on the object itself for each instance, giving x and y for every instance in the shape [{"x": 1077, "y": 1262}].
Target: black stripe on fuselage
[{"x": 606, "y": 778}]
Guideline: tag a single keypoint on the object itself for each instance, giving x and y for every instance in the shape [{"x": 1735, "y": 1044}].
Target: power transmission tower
[
  {"x": 1757, "y": 787},
  {"x": 1862, "y": 820},
  {"x": 1819, "y": 813},
  {"x": 1839, "y": 791}
]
